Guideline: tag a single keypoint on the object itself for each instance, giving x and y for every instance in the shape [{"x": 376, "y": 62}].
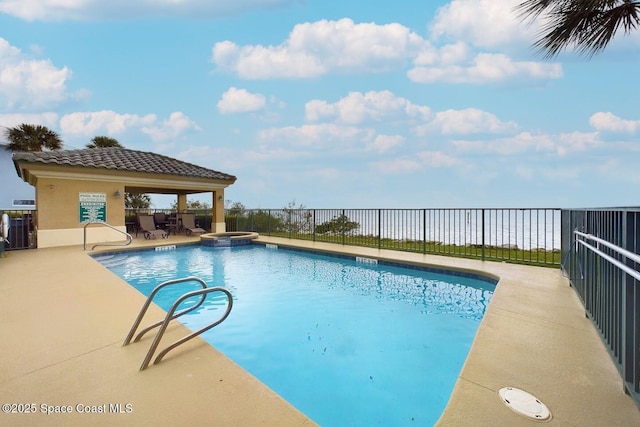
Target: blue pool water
[{"x": 347, "y": 343}]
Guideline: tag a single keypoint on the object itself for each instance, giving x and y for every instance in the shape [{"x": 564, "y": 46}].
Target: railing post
[
  {"x": 424, "y": 231},
  {"x": 483, "y": 229},
  {"x": 343, "y": 228},
  {"x": 379, "y": 228},
  {"x": 630, "y": 322}
]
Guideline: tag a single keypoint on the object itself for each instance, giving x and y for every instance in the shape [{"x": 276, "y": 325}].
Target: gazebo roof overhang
[{"x": 140, "y": 172}]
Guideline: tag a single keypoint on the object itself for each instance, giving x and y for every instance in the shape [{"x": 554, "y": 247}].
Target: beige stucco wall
[
  {"x": 218, "y": 224},
  {"x": 58, "y": 189},
  {"x": 58, "y": 202}
]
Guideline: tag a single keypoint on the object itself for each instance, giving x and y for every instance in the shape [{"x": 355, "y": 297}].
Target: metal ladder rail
[
  {"x": 147, "y": 303},
  {"x": 129, "y": 236},
  {"x": 170, "y": 316}
]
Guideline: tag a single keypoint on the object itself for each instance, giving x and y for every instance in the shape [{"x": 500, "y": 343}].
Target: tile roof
[{"x": 121, "y": 159}]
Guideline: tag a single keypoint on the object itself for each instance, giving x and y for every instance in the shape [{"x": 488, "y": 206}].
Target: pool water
[{"x": 347, "y": 343}]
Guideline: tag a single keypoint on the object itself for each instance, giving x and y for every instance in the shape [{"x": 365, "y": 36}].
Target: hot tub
[{"x": 232, "y": 238}]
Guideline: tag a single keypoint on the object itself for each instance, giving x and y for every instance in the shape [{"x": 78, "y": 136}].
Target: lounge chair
[
  {"x": 148, "y": 227},
  {"x": 160, "y": 219},
  {"x": 189, "y": 224}
]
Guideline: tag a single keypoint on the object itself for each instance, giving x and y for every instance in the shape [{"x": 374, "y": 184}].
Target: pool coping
[
  {"x": 63, "y": 332},
  {"x": 432, "y": 268}
]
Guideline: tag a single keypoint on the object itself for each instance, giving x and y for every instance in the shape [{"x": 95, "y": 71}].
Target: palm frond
[{"x": 586, "y": 25}]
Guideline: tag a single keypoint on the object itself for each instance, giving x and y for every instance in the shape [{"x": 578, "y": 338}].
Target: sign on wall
[{"x": 93, "y": 207}]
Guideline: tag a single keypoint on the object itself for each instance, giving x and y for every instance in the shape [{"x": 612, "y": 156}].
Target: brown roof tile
[{"x": 121, "y": 159}]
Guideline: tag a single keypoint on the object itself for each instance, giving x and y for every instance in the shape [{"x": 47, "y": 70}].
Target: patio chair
[
  {"x": 160, "y": 219},
  {"x": 189, "y": 224},
  {"x": 148, "y": 227}
]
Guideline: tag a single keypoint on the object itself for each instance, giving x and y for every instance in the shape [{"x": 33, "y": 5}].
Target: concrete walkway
[{"x": 63, "y": 317}]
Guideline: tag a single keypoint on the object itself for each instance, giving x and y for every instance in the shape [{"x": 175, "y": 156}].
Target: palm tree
[
  {"x": 27, "y": 137},
  {"x": 137, "y": 201},
  {"x": 103, "y": 142},
  {"x": 586, "y": 25}
]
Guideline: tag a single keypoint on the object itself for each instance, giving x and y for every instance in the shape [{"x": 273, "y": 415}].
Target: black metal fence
[
  {"x": 526, "y": 235},
  {"x": 600, "y": 250},
  {"x": 21, "y": 229}
]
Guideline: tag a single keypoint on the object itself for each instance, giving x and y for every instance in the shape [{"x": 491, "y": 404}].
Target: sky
[{"x": 333, "y": 104}]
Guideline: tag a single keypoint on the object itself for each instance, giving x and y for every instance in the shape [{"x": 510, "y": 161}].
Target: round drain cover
[{"x": 524, "y": 403}]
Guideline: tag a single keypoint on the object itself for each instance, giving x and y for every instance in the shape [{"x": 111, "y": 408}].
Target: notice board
[{"x": 93, "y": 207}]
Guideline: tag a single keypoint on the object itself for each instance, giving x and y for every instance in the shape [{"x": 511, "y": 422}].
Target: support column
[
  {"x": 217, "y": 223},
  {"x": 182, "y": 202}
]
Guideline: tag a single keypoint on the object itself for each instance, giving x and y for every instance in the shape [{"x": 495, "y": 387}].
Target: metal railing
[
  {"x": 524, "y": 235},
  {"x": 600, "y": 257},
  {"x": 127, "y": 235},
  {"x": 172, "y": 314},
  {"x": 22, "y": 233}
]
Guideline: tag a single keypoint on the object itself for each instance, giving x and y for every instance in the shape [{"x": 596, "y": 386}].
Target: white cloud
[
  {"x": 576, "y": 141},
  {"x": 467, "y": 121},
  {"x": 612, "y": 123},
  {"x": 372, "y": 106},
  {"x": 323, "y": 47},
  {"x": 445, "y": 55},
  {"x": 560, "y": 144},
  {"x": 384, "y": 143},
  {"x": 112, "y": 123},
  {"x": 49, "y": 120},
  {"x": 484, "y": 68},
  {"x": 268, "y": 154},
  {"x": 98, "y": 122},
  {"x": 421, "y": 160},
  {"x": 175, "y": 126},
  {"x": 436, "y": 159},
  {"x": 482, "y": 23},
  {"x": 57, "y": 10},
  {"x": 318, "y": 135},
  {"x": 240, "y": 101},
  {"x": 27, "y": 83},
  {"x": 393, "y": 166},
  {"x": 314, "y": 49}
]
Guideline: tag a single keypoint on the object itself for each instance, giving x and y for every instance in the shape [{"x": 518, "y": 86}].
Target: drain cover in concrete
[{"x": 524, "y": 404}]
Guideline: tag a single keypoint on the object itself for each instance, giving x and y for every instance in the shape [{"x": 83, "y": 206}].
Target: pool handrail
[
  {"x": 172, "y": 314},
  {"x": 182, "y": 340},
  {"x": 630, "y": 255},
  {"x": 84, "y": 245},
  {"x": 147, "y": 303}
]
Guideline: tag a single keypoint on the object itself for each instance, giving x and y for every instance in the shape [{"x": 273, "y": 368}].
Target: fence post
[
  {"x": 379, "y": 228},
  {"x": 424, "y": 231},
  {"x": 629, "y": 359},
  {"x": 343, "y": 228},
  {"x": 314, "y": 225},
  {"x": 483, "y": 229}
]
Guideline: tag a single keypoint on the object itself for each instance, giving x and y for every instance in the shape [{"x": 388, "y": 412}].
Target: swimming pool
[{"x": 347, "y": 342}]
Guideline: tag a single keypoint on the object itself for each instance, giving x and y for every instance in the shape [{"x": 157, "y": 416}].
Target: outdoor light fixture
[
  {"x": 117, "y": 194},
  {"x": 220, "y": 198}
]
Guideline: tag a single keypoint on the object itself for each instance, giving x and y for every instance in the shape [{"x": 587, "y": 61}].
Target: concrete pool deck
[{"x": 64, "y": 316}]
